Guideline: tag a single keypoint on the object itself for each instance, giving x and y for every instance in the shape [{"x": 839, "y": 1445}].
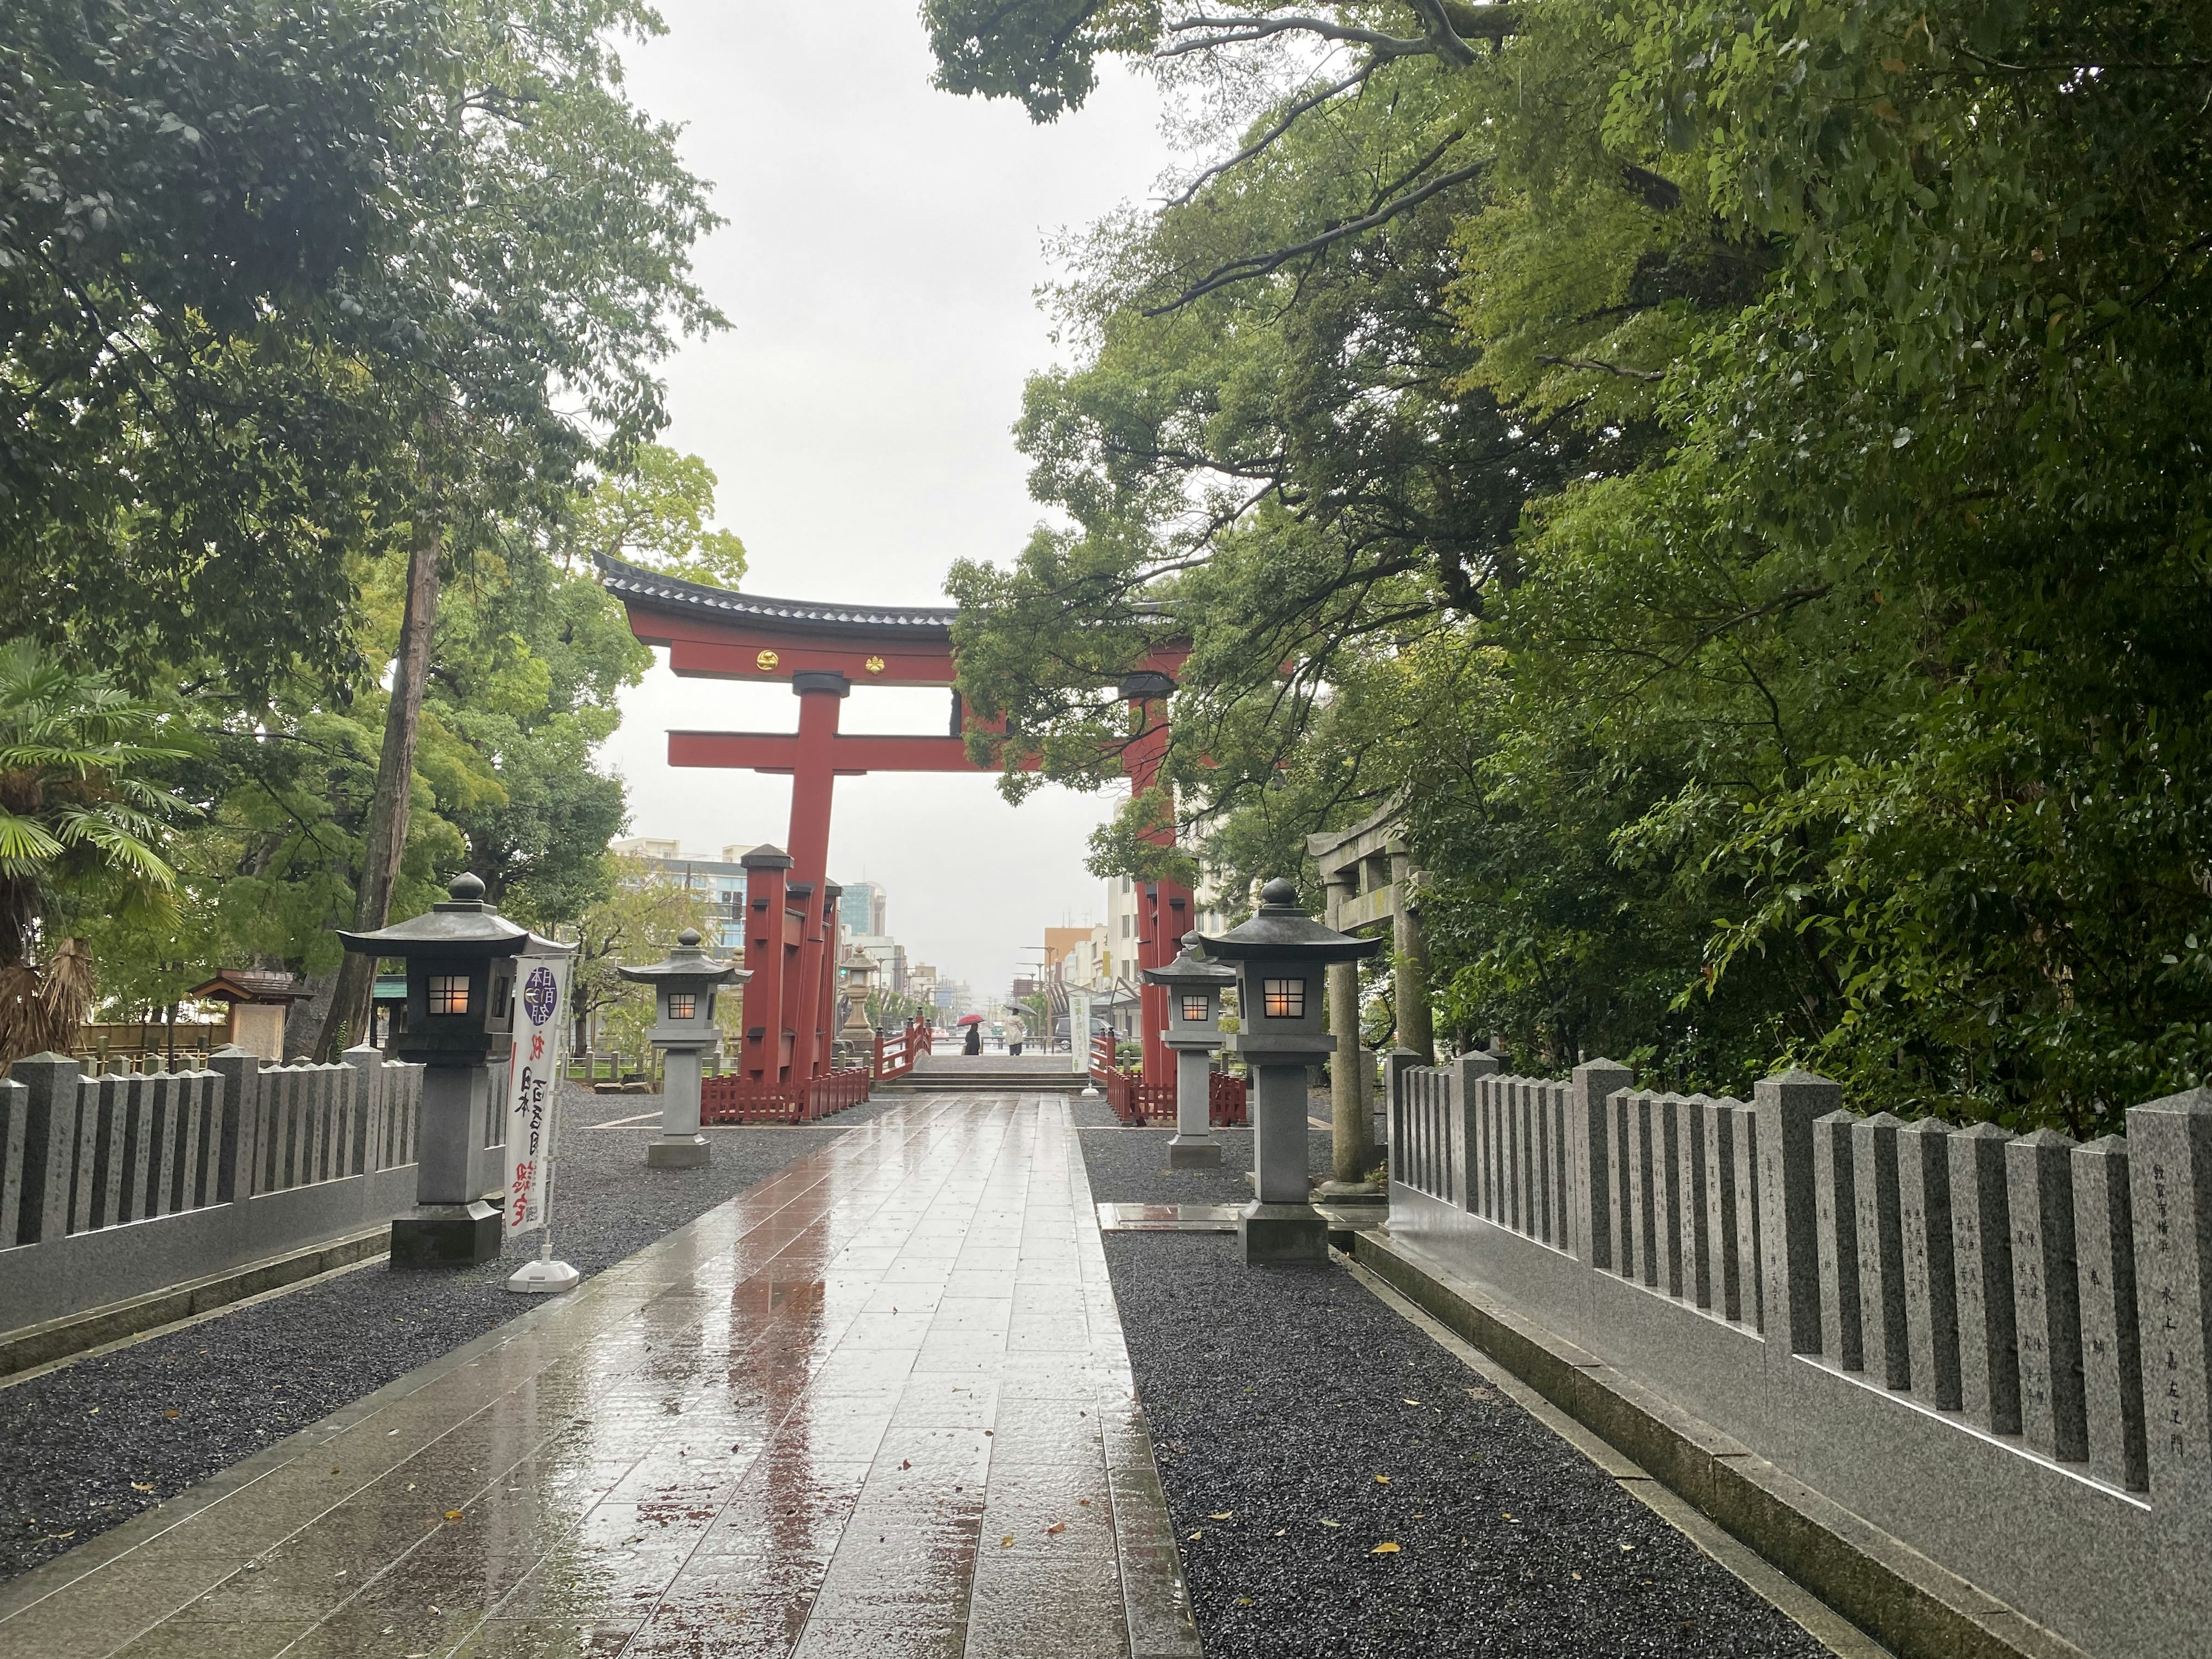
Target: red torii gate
[{"x": 821, "y": 651}]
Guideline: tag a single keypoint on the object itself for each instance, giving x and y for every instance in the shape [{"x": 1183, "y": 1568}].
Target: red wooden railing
[
  {"x": 1138, "y": 1103},
  {"x": 734, "y": 1100},
  {"x": 896, "y": 1054},
  {"x": 1225, "y": 1101}
]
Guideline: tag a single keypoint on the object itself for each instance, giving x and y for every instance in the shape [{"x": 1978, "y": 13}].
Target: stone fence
[
  {"x": 1994, "y": 1347},
  {"x": 115, "y": 1187}
]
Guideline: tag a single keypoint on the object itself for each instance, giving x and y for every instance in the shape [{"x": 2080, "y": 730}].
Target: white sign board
[
  {"x": 533, "y": 1079},
  {"x": 1078, "y": 1030}
]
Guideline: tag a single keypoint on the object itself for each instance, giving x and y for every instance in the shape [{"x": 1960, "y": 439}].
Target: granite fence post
[
  {"x": 1621, "y": 1117},
  {"x": 237, "y": 1117},
  {"x": 367, "y": 1109},
  {"x": 1643, "y": 1206},
  {"x": 1931, "y": 1287},
  {"x": 1691, "y": 1134},
  {"x": 1981, "y": 1240},
  {"x": 1717, "y": 1119},
  {"x": 1835, "y": 1188},
  {"x": 1744, "y": 1153},
  {"x": 2111, "y": 1348},
  {"x": 1881, "y": 1250},
  {"x": 1785, "y": 1108},
  {"x": 1466, "y": 1072},
  {"x": 14, "y": 1108},
  {"x": 1589, "y": 1158},
  {"x": 2039, "y": 1169},
  {"x": 52, "y": 1084},
  {"x": 2170, "y": 1149}
]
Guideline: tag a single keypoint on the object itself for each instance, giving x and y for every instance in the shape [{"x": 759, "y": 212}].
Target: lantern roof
[
  {"x": 687, "y": 962},
  {"x": 459, "y": 925},
  {"x": 1189, "y": 968},
  {"x": 1279, "y": 928}
]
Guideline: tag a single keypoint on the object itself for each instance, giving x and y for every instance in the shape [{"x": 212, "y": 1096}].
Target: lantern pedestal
[
  {"x": 1193, "y": 1146},
  {"x": 449, "y": 1226},
  {"x": 680, "y": 1146},
  {"x": 1282, "y": 1224}
]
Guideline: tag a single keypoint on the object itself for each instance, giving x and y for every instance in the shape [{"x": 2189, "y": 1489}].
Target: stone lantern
[
  {"x": 1281, "y": 957},
  {"x": 1195, "y": 987},
  {"x": 460, "y": 957},
  {"x": 683, "y": 991},
  {"x": 857, "y": 972}
]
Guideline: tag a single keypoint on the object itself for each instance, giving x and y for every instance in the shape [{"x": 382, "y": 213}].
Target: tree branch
[
  {"x": 1358, "y": 78},
  {"x": 1608, "y": 368},
  {"x": 1263, "y": 264}
]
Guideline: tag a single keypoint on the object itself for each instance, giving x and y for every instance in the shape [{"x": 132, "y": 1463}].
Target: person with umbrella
[{"x": 972, "y": 1043}]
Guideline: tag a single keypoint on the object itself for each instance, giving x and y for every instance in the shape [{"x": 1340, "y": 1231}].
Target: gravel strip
[
  {"x": 1276, "y": 1397},
  {"x": 1133, "y": 1162},
  {"x": 92, "y": 1444}
]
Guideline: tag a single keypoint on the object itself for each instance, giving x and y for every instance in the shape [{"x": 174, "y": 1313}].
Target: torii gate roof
[{"x": 713, "y": 632}]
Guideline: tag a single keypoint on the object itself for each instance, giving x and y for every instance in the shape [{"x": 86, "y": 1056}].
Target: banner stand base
[{"x": 545, "y": 1279}]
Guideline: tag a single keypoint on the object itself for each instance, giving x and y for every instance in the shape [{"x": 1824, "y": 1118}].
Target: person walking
[{"x": 1017, "y": 1034}]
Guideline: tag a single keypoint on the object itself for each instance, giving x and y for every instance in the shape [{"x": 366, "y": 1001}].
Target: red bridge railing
[
  {"x": 1139, "y": 1103},
  {"x": 735, "y": 1100},
  {"x": 896, "y": 1054}
]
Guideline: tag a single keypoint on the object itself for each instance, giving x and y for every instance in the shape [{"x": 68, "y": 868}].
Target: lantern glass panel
[
  {"x": 448, "y": 993},
  {"x": 1197, "y": 1007},
  {"x": 1283, "y": 999},
  {"x": 683, "y": 1005}
]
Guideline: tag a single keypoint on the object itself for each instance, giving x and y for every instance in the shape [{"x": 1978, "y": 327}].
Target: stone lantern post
[
  {"x": 683, "y": 991},
  {"x": 1195, "y": 987},
  {"x": 460, "y": 957},
  {"x": 1281, "y": 957}
]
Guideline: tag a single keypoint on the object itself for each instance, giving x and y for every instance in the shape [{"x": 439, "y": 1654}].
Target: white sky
[{"x": 878, "y": 271}]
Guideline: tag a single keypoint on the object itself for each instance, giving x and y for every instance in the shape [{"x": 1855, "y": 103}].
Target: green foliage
[
  {"x": 655, "y": 514},
  {"x": 269, "y": 277},
  {"x": 1043, "y": 52},
  {"x": 635, "y": 921},
  {"x": 79, "y": 810},
  {"x": 1755, "y": 519}
]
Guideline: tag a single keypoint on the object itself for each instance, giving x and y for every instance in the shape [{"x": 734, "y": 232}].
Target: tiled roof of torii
[{"x": 649, "y": 589}]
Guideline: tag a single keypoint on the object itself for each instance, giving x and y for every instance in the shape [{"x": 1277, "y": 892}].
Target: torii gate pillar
[{"x": 821, "y": 651}]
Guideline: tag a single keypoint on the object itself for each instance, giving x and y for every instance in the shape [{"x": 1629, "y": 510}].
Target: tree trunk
[{"x": 384, "y": 843}]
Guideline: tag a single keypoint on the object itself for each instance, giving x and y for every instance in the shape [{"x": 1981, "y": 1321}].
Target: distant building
[
  {"x": 865, "y": 909},
  {"x": 646, "y": 846}
]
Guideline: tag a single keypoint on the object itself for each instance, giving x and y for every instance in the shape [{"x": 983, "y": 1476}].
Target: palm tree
[{"x": 73, "y": 812}]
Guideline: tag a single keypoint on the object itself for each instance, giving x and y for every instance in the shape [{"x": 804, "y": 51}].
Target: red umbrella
[{"x": 968, "y": 1019}]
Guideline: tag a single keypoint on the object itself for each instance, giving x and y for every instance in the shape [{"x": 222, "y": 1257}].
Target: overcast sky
[{"x": 879, "y": 269}]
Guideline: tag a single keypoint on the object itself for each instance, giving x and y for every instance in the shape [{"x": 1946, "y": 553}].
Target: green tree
[
  {"x": 80, "y": 823},
  {"x": 655, "y": 514},
  {"x": 1834, "y": 689}
]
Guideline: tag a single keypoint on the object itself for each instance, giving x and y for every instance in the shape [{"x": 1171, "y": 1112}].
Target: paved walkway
[{"x": 877, "y": 1405}]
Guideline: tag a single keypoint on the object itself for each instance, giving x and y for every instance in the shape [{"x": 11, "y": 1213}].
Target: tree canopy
[{"x": 1736, "y": 479}]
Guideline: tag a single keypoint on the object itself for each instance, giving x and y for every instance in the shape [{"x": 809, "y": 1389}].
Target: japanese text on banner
[{"x": 533, "y": 1075}]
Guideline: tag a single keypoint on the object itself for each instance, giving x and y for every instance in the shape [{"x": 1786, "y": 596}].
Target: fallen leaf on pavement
[
  {"x": 1332, "y": 1523},
  {"x": 1008, "y": 1542},
  {"x": 172, "y": 1414},
  {"x": 906, "y": 1462},
  {"x": 1201, "y": 1533},
  {"x": 1382, "y": 1480},
  {"x": 141, "y": 1486},
  {"x": 1384, "y": 1549},
  {"x": 1225, "y": 1515},
  {"x": 1056, "y": 1527},
  {"x": 1412, "y": 1402},
  {"x": 452, "y": 1515}
]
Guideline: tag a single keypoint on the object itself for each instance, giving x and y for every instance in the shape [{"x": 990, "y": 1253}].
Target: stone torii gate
[{"x": 822, "y": 650}]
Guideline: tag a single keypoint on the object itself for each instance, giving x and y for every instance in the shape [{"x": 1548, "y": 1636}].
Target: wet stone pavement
[{"x": 878, "y": 1404}]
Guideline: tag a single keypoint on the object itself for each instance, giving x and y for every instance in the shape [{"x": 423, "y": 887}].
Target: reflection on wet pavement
[{"x": 877, "y": 1404}]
